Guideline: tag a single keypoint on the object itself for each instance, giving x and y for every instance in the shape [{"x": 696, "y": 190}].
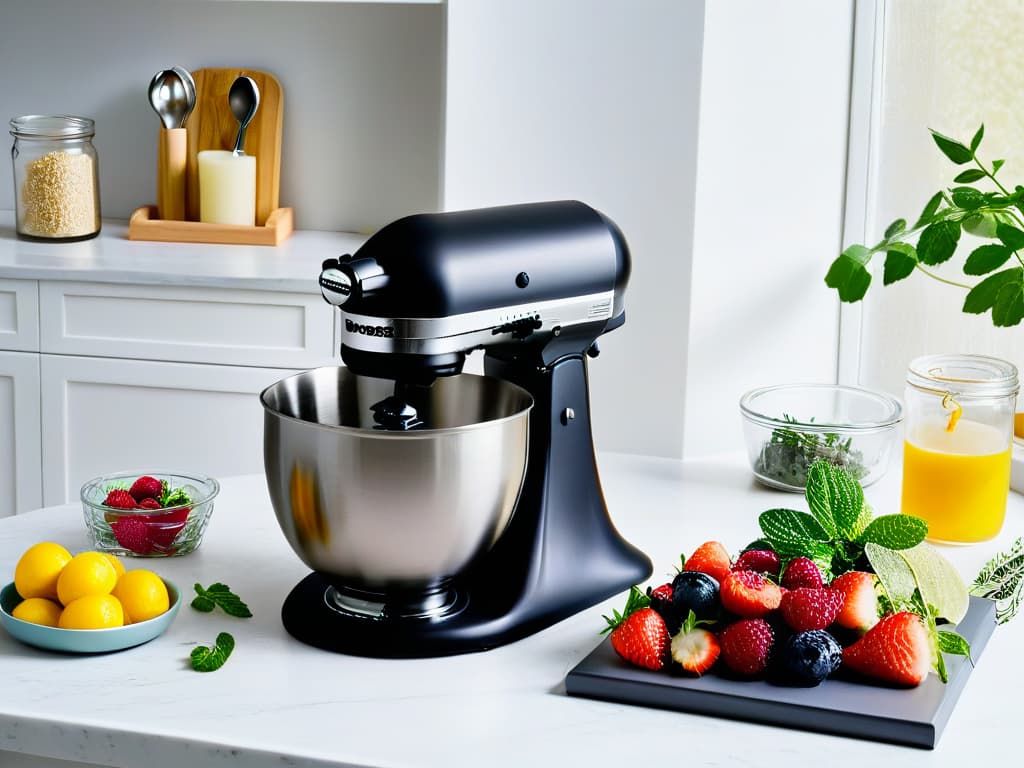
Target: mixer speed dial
[{"x": 346, "y": 277}]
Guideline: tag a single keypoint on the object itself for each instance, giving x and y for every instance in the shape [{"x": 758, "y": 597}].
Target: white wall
[
  {"x": 595, "y": 100},
  {"x": 770, "y": 183},
  {"x": 363, "y": 92}
]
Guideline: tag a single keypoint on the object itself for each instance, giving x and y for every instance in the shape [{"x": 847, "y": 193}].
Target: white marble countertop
[
  {"x": 112, "y": 258},
  {"x": 277, "y": 702}
]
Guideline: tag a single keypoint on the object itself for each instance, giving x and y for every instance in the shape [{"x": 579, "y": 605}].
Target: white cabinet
[
  {"x": 20, "y": 476},
  {"x": 103, "y": 415},
  {"x": 19, "y": 315}
]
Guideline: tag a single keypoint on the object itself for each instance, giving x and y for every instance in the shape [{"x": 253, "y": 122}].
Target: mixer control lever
[{"x": 345, "y": 277}]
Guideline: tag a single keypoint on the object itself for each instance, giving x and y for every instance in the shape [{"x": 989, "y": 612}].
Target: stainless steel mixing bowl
[{"x": 389, "y": 510}]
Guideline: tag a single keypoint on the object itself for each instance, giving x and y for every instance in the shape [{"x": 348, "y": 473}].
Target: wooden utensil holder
[{"x": 213, "y": 126}]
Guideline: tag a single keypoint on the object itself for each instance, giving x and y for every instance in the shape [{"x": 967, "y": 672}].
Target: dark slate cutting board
[{"x": 914, "y": 716}]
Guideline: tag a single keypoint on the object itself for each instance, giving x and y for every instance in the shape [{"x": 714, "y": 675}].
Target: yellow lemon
[
  {"x": 38, "y": 610},
  {"x": 118, "y": 568},
  {"x": 88, "y": 573},
  {"x": 143, "y": 596},
  {"x": 36, "y": 573},
  {"x": 92, "y": 612}
]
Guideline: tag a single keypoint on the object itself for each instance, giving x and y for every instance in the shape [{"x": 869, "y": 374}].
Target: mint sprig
[
  {"x": 220, "y": 595},
  {"x": 210, "y": 659},
  {"x": 839, "y": 524}
]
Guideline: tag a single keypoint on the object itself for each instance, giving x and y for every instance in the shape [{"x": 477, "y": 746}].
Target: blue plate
[{"x": 85, "y": 640}]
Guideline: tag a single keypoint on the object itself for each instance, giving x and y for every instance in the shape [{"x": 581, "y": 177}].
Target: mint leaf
[
  {"x": 895, "y": 228},
  {"x": 900, "y": 260},
  {"x": 221, "y": 595},
  {"x": 849, "y": 275},
  {"x": 982, "y": 297},
  {"x": 950, "y": 642},
  {"x": 938, "y": 242},
  {"x": 968, "y": 198},
  {"x": 206, "y": 659},
  {"x": 832, "y": 493},
  {"x": 976, "y": 141},
  {"x": 1011, "y": 237},
  {"x": 896, "y": 531},
  {"x": 952, "y": 149},
  {"x": 985, "y": 258},
  {"x": 791, "y": 526},
  {"x": 929, "y": 211},
  {"x": 996, "y": 165},
  {"x": 1008, "y": 309},
  {"x": 969, "y": 176}
]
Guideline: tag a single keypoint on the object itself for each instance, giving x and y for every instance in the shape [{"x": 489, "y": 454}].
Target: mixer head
[{"x": 537, "y": 281}]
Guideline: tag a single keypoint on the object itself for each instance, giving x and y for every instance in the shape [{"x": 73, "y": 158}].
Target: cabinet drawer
[
  {"x": 19, "y": 315},
  {"x": 202, "y": 325}
]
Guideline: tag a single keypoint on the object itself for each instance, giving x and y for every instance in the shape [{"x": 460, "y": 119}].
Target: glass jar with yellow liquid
[{"x": 956, "y": 452}]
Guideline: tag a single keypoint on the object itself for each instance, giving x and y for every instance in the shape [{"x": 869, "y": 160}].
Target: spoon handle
[
  {"x": 240, "y": 140},
  {"x": 170, "y": 174}
]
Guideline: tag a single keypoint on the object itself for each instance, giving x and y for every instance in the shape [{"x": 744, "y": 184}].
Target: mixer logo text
[{"x": 383, "y": 331}]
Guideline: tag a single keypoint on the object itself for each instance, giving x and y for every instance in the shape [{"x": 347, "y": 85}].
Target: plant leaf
[
  {"x": 996, "y": 165},
  {"x": 985, "y": 258},
  {"x": 938, "y": 242},
  {"x": 980, "y": 224},
  {"x": 896, "y": 531},
  {"x": 900, "y": 260},
  {"x": 976, "y": 141},
  {"x": 833, "y": 494},
  {"x": 929, "y": 210},
  {"x": 969, "y": 176},
  {"x": 982, "y": 297},
  {"x": 968, "y": 198},
  {"x": 950, "y": 642},
  {"x": 1001, "y": 579},
  {"x": 220, "y": 594},
  {"x": 1012, "y": 237},
  {"x": 953, "y": 149},
  {"x": 206, "y": 659},
  {"x": 900, "y": 225},
  {"x": 791, "y": 526},
  {"x": 1008, "y": 309},
  {"x": 848, "y": 273}
]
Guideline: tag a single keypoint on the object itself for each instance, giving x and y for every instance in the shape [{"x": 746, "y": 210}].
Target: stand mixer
[{"x": 444, "y": 512}]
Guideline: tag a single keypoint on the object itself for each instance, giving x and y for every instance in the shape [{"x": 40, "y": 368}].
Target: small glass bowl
[
  {"x": 789, "y": 426},
  {"x": 165, "y": 532}
]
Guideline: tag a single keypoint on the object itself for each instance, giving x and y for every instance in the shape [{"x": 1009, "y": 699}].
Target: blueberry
[
  {"x": 697, "y": 592},
  {"x": 807, "y": 658}
]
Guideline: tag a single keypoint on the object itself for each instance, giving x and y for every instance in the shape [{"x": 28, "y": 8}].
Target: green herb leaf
[
  {"x": 968, "y": 198},
  {"x": 969, "y": 176},
  {"x": 996, "y": 165},
  {"x": 900, "y": 261},
  {"x": 938, "y": 242},
  {"x": 976, "y": 141},
  {"x": 896, "y": 531},
  {"x": 982, "y": 297},
  {"x": 1002, "y": 580},
  {"x": 950, "y": 642},
  {"x": 929, "y": 211},
  {"x": 848, "y": 273},
  {"x": 1008, "y": 309},
  {"x": 895, "y": 228},
  {"x": 791, "y": 526},
  {"x": 985, "y": 258},
  {"x": 833, "y": 493},
  {"x": 206, "y": 659},
  {"x": 1012, "y": 237},
  {"x": 894, "y": 574},
  {"x": 953, "y": 149},
  {"x": 220, "y": 594}
]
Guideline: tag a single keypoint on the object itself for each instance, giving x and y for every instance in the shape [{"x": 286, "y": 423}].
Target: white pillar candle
[{"x": 227, "y": 187}]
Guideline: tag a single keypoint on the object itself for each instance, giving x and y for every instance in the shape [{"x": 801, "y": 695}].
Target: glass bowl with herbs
[
  {"x": 789, "y": 426},
  {"x": 157, "y": 514}
]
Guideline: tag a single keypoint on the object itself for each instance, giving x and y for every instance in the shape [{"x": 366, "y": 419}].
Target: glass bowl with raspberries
[{"x": 159, "y": 514}]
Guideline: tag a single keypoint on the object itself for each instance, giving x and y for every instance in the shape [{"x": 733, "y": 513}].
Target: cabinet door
[
  {"x": 104, "y": 415},
  {"x": 20, "y": 476},
  {"x": 19, "y": 315}
]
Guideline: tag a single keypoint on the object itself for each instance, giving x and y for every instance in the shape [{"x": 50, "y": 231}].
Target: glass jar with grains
[{"x": 56, "y": 182}]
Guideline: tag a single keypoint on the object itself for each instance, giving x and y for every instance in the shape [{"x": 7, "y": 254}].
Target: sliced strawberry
[
  {"x": 804, "y": 609},
  {"x": 760, "y": 560},
  {"x": 695, "y": 649},
  {"x": 639, "y": 634},
  {"x": 895, "y": 650},
  {"x": 131, "y": 533},
  {"x": 747, "y": 645},
  {"x": 802, "y": 572},
  {"x": 710, "y": 558},
  {"x": 749, "y": 594},
  {"x": 146, "y": 487},
  {"x": 860, "y": 600}
]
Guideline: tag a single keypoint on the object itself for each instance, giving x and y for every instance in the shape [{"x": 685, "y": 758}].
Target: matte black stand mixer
[{"x": 444, "y": 512}]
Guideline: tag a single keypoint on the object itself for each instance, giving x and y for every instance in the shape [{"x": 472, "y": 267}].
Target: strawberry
[
  {"x": 146, "y": 487},
  {"x": 802, "y": 572},
  {"x": 749, "y": 594},
  {"x": 746, "y": 646},
  {"x": 149, "y": 503},
  {"x": 639, "y": 634},
  {"x": 695, "y": 649},
  {"x": 895, "y": 650},
  {"x": 131, "y": 533},
  {"x": 760, "y": 560},
  {"x": 119, "y": 499},
  {"x": 860, "y": 601},
  {"x": 710, "y": 558},
  {"x": 805, "y": 608},
  {"x": 163, "y": 527}
]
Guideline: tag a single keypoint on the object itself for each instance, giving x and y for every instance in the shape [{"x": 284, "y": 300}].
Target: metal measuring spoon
[
  {"x": 169, "y": 97},
  {"x": 190, "y": 88},
  {"x": 244, "y": 98}
]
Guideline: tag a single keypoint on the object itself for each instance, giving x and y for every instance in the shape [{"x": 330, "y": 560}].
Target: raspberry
[
  {"x": 749, "y": 594},
  {"x": 760, "y": 560},
  {"x": 710, "y": 558},
  {"x": 120, "y": 499},
  {"x": 149, "y": 503},
  {"x": 146, "y": 487},
  {"x": 805, "y": 609},
  {"x": 661, "y": 602},
  {"x": 802, "y": 572},
  {"x": 746, "y": 646}
]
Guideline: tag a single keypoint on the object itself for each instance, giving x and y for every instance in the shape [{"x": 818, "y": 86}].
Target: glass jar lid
[
  {"x": 53, "y": 127},
  {"x": 964, "y": 376}
]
